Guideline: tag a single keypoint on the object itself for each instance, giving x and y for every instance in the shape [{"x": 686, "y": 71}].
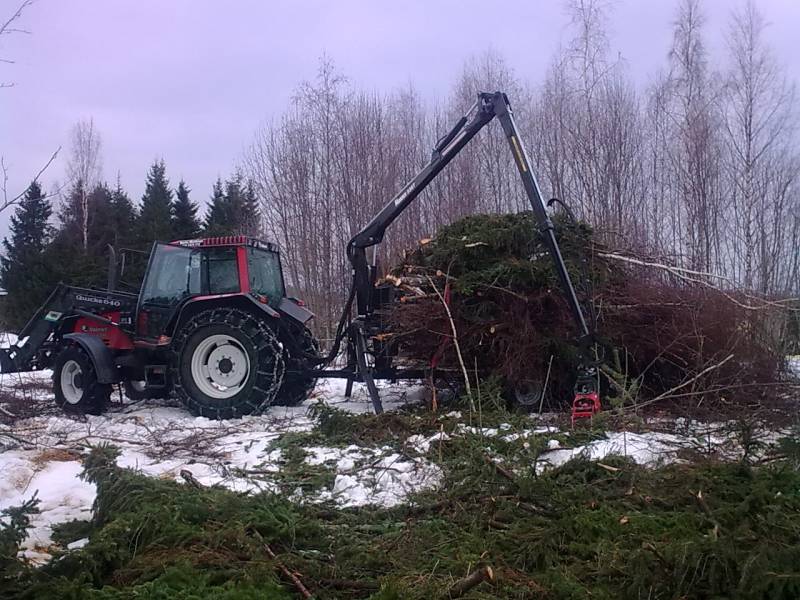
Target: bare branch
[{"x": 11, "y": 201}]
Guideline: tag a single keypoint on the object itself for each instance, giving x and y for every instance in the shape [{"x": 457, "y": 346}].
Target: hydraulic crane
[{"x": 368, "y": 357}]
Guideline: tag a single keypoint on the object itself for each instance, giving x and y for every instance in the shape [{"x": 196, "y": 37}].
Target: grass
[{"x": 705, "y": 529}]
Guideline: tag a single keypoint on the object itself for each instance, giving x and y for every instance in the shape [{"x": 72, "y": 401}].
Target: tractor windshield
[
  {"x": 266, "y": 277},
  {"x": 174, "y": 274}
]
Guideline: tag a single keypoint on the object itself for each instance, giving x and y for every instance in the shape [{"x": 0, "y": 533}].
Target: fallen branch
[
  {"x": 455, "y": 342},
  {"x": 690, "y": 276},
  {"x": 701, "y": 502},
  {"x": 669, "y": 392},
  {"x": 500, "y": 469},
  {"x": 289, "y": 575},
  {"x": 462, "y": 586},
  {"x": 191, "y": 479}
]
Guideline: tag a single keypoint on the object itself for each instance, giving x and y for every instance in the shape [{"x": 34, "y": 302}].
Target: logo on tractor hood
[{"x": 98, "y": 300}]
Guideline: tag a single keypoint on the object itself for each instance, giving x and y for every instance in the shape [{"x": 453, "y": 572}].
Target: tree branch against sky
[{"x": 11, "y": 25}]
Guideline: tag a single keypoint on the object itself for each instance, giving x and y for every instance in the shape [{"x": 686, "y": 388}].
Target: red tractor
[{"x": 212, "y": 324}]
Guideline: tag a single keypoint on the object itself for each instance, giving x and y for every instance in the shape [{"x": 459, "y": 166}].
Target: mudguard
[
  {"x": 294, "y": 310},
  {"x": 237, "y": 300},
  {"x": 99, "y": 354}
]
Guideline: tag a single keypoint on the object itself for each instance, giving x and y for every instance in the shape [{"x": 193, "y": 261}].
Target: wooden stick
[
  {"x": 546, "y": 381},
  {"x": 288, "y": 574},
  {"x": 500, "y": 469},
  {"x": 190, "y": 479},
  {"x": 462, "y": 586},
  {"x": 455, "y": 342},
  {"x": 691, "y": 276},
  {"x": 701, "y": 502},
  {"x": 669, "y": 392}
]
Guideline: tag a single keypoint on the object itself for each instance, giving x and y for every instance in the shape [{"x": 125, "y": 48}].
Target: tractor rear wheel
[
  {"x": 226, "y": 363},
  {"x": 75, "y": 384},
  {"x": 296, "y": 384}
]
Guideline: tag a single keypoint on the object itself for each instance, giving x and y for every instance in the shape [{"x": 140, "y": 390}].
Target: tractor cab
[{"x": 205, "y": 269}]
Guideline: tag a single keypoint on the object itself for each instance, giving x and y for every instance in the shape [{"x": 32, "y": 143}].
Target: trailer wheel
[
  {"x": 75, "y": 384},
  {"x": 296, "y": 385},
  {"x": 226, "y": 363}
]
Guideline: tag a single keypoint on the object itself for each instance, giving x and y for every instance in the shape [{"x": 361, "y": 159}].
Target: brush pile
[{"x": 661, "y": 335}]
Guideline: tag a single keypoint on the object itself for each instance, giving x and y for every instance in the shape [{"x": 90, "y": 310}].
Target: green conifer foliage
[
  {"x": 233, "y": 209},
  {"x": 23, "y": 271},
  {"x": 185, "y": 224},
  {"x": 155, "y": 215}
]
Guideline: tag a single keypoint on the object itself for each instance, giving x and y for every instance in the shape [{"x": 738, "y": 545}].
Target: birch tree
[
  {"x": 84, "y": 167},
  {"x": 758, "y": 104}
]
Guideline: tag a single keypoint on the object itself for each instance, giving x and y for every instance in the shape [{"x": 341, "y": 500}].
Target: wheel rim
[
  {"x": 220, "y": 366},
  {"x": 72, "y": 382}
]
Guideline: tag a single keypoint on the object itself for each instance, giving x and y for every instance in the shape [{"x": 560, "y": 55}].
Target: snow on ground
[
  {"x": 162, "y": 440},
  {"x": 373, "y": 475},
  {"x": 651, "y": 448}
]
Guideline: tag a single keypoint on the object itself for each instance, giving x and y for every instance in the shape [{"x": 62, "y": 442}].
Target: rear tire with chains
[
  {"x": 226, "y": 363},
  {"x": 297, "y": 385}
]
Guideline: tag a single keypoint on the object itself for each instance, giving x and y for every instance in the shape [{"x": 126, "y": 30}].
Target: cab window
[
  {"x": 265, "y": 274},
  {"x": 222, "y": 270},
  {"x": 173, "y": 275}
]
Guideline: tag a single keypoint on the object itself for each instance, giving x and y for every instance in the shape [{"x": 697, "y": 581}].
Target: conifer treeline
[{"x": 45, "y": 242}]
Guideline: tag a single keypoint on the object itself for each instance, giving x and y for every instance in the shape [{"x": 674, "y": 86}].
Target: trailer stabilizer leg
[{"x": 365, "y": 370}]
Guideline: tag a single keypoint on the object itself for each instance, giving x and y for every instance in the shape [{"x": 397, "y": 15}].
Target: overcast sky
[{"x": 191, "y": 80}]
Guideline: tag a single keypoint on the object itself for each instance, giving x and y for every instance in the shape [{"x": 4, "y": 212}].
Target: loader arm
[{"x": 486, "y": 107}]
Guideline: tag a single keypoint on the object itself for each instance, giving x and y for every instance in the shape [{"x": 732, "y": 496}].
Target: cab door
[{"x": 173, "y": 274}]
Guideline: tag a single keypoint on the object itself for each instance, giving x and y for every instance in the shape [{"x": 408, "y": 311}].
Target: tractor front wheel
[
  {"x": 226, "y": 363},
  {"x": 75, "y": 384}
]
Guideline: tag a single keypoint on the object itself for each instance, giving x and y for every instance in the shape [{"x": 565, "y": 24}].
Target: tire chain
[{"x": 268, "y": 381}]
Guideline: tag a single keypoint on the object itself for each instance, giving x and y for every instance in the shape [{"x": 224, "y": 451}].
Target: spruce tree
[
  {"x": 217, "y": 217},
  {"x": 23, "y": 270},
  {"x": 233, "y": 209},
  {"x": 185, "y": 224},
  {"x": 124, "y": 217},
  {"x": 250, "y": 222},
  {"x": 65, "y": 255},
  {"x": 155, "y": 216}
]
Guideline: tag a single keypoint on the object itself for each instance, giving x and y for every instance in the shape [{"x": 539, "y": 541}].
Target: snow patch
[
  {"x": 502, "y": 429},
  {"x": 422, "y": 443},
  {"x": 373, "y": 476},
  {"x": 62, "y": 495},
  {"x": 161, "y": 440},
  {"x": 648, "y": 449},
  {"x": 77, "y": 544}
]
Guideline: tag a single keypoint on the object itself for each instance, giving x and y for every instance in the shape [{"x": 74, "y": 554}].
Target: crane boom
[
  {"x": 365, "y": 357},
  {"x": 486, "y": 107}
]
